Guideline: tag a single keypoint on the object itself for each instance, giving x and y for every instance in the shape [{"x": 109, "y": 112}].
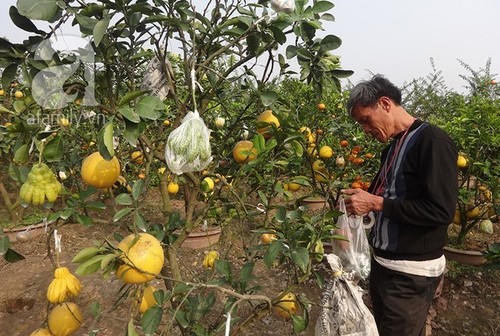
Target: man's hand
[{"x": 360, "y": 202}]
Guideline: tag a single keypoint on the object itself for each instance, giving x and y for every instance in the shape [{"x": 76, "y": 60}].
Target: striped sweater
[{"x": 418, "y": 179}]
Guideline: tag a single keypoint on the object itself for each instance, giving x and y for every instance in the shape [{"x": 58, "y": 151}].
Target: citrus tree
[{"x": 101, "y": 115}]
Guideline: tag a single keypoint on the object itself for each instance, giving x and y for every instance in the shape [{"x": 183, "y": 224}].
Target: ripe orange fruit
[
  {"x": 293, "y": 186},
  {"x": 461, "y": 162},
  {"x": 321, "y": 106},
  {"x": 148, "y": 300},
  {"x": 18, "y": 94},
  {"x": 244, "y": 151},
  {"x": 137, "y": 157},
  {"x": 142, "y": 176},
  {"x": 173, "y": 187},
  {"x": 64, "y": 319},
  {"x": 358, "y": 160},
  {"x": 325, "y": 152},
  {"x": 266, "y": 238},
  {"x": 356, "y": 185},
  {"x": 287, "y": 306},
  {"x": 42, "y": 332},
  {"x": 267, "y": 117},
  {"x": 344, "y": 143},
  {"x": 369, "y": 156},
  {"x": 143, "y": 259},
  {"x": 166, "y": 122},
  {"x": 98, "y": 172},
  {"x": 2, "y": 92}
]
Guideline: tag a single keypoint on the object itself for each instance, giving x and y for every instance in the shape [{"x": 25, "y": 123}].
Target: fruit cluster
[{"x": 41, "y": 185}]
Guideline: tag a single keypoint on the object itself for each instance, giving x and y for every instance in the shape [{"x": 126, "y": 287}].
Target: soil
[{"x": 467, "y": 305}]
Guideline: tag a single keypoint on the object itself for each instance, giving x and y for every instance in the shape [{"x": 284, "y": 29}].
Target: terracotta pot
[
  {"x": 464, "y": 256},
  {"x": 203, "y": 239},
  {"x": 314, "y": 203},
  {"x": 25, "y": 233}
]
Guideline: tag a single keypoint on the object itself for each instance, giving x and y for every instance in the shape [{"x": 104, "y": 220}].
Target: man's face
[{"x": 373, "y": 120}]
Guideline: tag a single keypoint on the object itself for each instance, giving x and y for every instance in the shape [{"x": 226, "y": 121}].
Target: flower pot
[
  {"x": 196, "y": 240},
  {"x": 314, "y": 203},
  {"x": 25, "y": 233},
  {"x": 464, "y": 256}
]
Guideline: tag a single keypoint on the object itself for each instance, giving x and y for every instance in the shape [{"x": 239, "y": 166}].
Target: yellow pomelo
[
  {"x": 148, "y": 299},
  {"x": 244, "y": 151},
  {"x": 143, "y": 259},
  {"x": 287, "y": 306},
  {"x": 267, "y": 117},
  {"x": 325, "y": 152},
  {"x": 461, "y": 161},
  {"x": 64, "y": 319},
  {"x": 99, "y": 172}
]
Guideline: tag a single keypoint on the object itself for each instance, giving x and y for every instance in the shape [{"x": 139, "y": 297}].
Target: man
[{"x": 413, "y": 197}]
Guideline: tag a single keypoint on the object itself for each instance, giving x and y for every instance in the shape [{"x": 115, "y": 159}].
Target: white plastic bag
[
  {"x": 285, "y": 6},
  {"x": 354, "y": 254},
  {"x": 188, "y": 146},
  {"x": 343, "y": 311}
]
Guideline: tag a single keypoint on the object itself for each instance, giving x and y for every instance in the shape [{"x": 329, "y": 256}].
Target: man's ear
[{"x": 385, "y": 103}]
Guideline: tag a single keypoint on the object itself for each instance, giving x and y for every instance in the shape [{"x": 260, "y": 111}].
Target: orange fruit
[
  {"x": 266, "y": 238},
  {"x": 321, "y": 106},
  {"x": 42, "y": 332},
  {"x": 143, "y": 259},
  {"x": 173, "y": 187},
  {"x": 137, "y": 157},
  {"x": 267, "y": 117},
  {"x": 325, "y": 152},
  {"x": 344, "y": 143},
  {"x": 148, "y": 300},
  {"x": 244, "y": 151},
  {"x": 64, "y": 319},
  {"x": 356, "y": 185},
  {"x": 287, "y": 306},
  {"x": 98, "y": 172},
  {"x": 18, "y": 94}
]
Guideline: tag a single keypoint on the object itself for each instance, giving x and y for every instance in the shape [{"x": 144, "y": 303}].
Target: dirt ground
[{"x": 468, "y": 305}]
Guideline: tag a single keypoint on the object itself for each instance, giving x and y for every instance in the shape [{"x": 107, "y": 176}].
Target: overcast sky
[{"x": 397, "y": 38}]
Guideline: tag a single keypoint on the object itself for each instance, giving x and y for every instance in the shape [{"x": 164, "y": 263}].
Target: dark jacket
[{"x": 420, "y": 194}]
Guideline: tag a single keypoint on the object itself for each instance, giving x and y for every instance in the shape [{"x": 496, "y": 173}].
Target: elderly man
[{"x": 413, "y": 197}]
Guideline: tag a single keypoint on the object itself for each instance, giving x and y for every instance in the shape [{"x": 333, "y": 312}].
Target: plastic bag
[
  {"x": 343, "y": 311},
  {"x": 188, "y": 146},
  {"x": 354, "y": 254},
  {"x": 285, "y": 6}
]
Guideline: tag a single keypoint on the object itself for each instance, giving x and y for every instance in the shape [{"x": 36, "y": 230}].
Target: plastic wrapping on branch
[
  {"x": 283, "y": 6},
  {"x": 188, "y": 146},
  {"x": 343, "y": 311}
]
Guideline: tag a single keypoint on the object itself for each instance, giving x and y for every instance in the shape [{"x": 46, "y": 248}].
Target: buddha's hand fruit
[
  {"x": 63, "y": 286},
  {"x": 41, "y": 186},
  {"x": 210, "y": 259}
]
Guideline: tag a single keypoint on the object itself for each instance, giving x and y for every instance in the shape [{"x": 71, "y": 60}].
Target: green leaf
[
  {"x": 223, "y": 267},
  {"x": 137, "y": 189},
  {"x": 139, "y": 221},
  {"x": 99, "y": 30},
  {"x": 291, "y": 51},
  {"x": 21, "y": 155},
  {"x": 280, "y": 214},
  {"x": 246, "y": 272},
  {"x": 330, "y": 42},
  {"x": 12, "y": 256},
  {"x": 44, "y": 10},
  {"x": 121, "y": 213},
  {"x": 181, "y": 288},
  {"x": 90, "y": 266},
  {"x": 123, "y": 199},
  {"x": 106, "y": 260},
  {"x": 9, "y": 74},
  {"x": 275, "y": 247},
  {"x": 299, "y": 323},
  {"x": 300, "y": 257},
  {"x": 151, "y": 319},
  {"x": 54, "y": 149},
  {"x": 268, "y": 97},
  {"x": 106, "y": 141},
  {"x": 131, "y": 331},
  {"x": 149, "y": 108},
  {"x": 130, "y": 96},
  {"x": 4, "y": 244},
  {"x": 23, "y": 22},
  {"x": 341, "y": 73},
  {"x": 322, "y": 6},
  {"x": 86, "y": 253}
]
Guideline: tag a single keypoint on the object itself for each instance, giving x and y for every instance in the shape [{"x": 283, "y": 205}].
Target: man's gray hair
[{"x": 367, "y": 93}]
